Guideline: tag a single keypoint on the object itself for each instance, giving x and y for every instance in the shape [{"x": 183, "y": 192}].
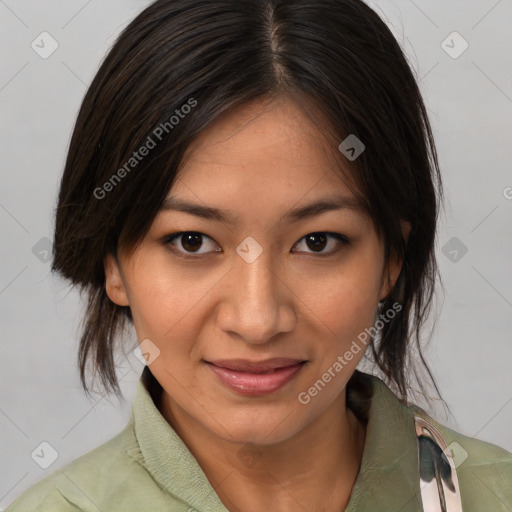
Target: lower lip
[{"x": 256, "y": 384}]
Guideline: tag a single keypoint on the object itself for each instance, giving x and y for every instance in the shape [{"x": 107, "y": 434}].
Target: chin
[{"x": 265, "y": 429}]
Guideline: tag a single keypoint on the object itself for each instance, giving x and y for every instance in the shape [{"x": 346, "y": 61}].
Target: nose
[{"x": 257, "y": 302}]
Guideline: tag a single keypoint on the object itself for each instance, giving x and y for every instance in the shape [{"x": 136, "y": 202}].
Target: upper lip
[{"x": 256, "y": 366}]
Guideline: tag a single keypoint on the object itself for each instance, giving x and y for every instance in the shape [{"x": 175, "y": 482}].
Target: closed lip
[{"x": 245, "y": 365}]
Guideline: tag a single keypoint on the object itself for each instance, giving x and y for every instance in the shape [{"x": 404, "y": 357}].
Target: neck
[{"x": 313, "y": 470}]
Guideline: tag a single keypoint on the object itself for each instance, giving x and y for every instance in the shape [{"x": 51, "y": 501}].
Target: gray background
[{"x": 470, "y": 104}]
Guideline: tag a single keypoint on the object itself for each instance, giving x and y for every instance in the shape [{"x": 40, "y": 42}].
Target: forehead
[{"x": 266, "y": 148}]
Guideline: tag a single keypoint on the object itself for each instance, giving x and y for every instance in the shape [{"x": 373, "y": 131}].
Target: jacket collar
[
  {"x": 165, "y": 455},
  {"x": 388, "y": 479}
]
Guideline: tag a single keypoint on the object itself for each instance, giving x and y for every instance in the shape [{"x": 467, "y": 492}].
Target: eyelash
[{"x": 168, "y": 239}]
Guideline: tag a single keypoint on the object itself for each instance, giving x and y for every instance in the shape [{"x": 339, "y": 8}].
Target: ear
[
  {"x": 394, "y": 266},
  {"x": 114, "y": 283}
]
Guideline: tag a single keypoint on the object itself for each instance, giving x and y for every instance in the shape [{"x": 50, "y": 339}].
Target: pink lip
[{"x": 248, "y": 378}]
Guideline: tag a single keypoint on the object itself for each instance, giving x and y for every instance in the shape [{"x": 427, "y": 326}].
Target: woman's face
[{"x": 258, "y": 287}]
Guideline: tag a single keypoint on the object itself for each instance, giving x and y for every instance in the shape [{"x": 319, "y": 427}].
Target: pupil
[
  {"x": 191, "y": 246},
  {"x": 316, "y": 245}
]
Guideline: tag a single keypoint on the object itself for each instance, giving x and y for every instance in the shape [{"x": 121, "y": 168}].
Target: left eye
[
  {"x": 319, "y": 239},
  {"x": 191, "y": 241}
]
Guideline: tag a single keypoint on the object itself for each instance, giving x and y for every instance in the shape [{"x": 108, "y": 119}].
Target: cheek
[
  {"x": 166, "y": 299},
  {"x": 151, "y": 301},
  {"x": 345, "y": 299}
]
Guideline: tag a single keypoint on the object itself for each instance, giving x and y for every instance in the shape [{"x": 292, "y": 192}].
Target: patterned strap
[{"x": 438, "y": 478}]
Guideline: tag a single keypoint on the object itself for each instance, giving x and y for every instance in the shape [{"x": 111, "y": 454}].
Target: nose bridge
[
  {"x": 259, "y": 281},
  {"x": 258, "y": 309}
]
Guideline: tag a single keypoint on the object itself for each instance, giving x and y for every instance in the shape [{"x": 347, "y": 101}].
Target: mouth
[{"x": 256, "y": 378}]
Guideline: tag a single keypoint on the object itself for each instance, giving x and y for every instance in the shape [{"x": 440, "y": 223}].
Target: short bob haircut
[{"x": 174, "y": 70}]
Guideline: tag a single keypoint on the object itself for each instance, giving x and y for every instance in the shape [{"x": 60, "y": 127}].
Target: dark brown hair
[{"x": 337, "y": 56}]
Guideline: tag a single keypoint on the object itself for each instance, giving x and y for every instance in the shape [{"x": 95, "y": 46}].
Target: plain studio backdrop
[{"x": 460, "y": 51}]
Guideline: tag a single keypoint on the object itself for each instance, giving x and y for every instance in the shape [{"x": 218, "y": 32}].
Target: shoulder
[
  {"x": 89, "y": 482},
  {"x": 484, "y": 470}
]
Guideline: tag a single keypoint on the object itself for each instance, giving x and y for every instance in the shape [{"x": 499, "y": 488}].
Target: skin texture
[{"x": 258, "y": 162}]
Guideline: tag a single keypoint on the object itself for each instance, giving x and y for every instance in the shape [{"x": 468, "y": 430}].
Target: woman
[{"x": 254, "y": 186}]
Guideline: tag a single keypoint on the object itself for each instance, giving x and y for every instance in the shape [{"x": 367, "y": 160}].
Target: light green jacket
[{"x": 148, "y": 468}]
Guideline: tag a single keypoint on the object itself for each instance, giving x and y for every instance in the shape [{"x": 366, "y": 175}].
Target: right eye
[{"x": 190, "y": 241}]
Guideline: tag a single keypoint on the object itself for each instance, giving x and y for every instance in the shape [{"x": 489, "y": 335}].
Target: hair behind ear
[{"x": 101, "y": 330}]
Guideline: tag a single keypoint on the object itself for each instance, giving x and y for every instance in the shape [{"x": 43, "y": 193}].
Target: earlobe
[
  {"x": 391, "y": 274},
  {"x": 406, "y": 230},
  {"x": 114, "y": 284},
  {"x": 394, "y": 266}
]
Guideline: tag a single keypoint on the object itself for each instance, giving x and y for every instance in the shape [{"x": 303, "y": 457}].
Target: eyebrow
[{"x": 325, "y": 204}]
